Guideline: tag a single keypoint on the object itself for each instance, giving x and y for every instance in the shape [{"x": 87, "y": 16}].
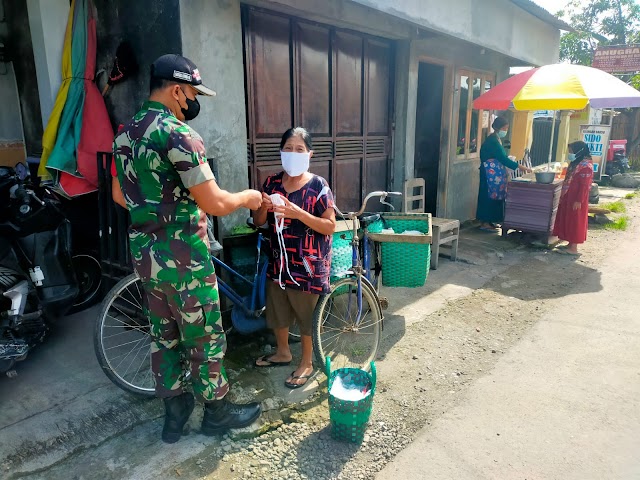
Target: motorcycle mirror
[{"x": 22, "y": 171}]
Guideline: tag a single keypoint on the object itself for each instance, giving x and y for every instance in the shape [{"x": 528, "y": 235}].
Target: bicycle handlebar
[{"x": 383, "y": 195}]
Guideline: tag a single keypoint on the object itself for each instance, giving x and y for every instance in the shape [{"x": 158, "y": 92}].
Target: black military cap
[{"x": 180, "y": 69}]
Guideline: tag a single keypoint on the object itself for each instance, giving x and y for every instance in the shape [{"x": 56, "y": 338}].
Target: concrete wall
[
  {"x": 343, "y": 14},
  {"x": 212, "y": 38},
  {"x": 152, "y": 28},
  {"x": 48, "y": 22},
  {"x": 498, "y": 25},
  {"x": 458, "y": 179},
  {"x": 11, "y": 136},
  {"x": 23, "y": 63},
  {"x": 10, "y": 123}
]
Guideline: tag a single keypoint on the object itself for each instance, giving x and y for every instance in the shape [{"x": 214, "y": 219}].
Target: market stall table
[{"x": 531, "y": 207}]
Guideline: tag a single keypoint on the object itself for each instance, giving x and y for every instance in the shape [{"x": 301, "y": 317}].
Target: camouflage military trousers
[{"x": 187, "y": 335}]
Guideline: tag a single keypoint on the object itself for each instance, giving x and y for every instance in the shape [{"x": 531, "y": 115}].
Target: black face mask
[{"x": 192, "y": 110}]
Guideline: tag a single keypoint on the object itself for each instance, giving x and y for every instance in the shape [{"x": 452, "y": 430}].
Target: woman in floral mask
[
  {"x": 493, "y": 177},
  {"x": 299, "y": 208}
]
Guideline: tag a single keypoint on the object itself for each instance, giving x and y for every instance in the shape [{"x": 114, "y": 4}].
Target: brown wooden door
[{"x": 335, "y": 83}]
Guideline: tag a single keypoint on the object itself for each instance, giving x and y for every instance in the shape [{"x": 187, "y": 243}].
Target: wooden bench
[{"x": 445, "y": 231}]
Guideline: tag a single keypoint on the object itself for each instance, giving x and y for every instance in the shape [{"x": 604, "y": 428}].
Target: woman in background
[
  {"x": 573, "y": 212},
  {"x": 493, "y": 177}
]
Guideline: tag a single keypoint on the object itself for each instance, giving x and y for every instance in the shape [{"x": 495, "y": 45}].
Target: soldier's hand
[
  {"x": 253, "y": 200},
  {"x": 266, "y": 202}
]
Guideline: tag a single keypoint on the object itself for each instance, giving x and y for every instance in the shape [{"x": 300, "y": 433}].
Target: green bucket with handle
[{"x": 350, "y": 417}]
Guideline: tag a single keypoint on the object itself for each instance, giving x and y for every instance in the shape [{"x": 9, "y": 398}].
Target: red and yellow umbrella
[{"x": 560, "y": 86}]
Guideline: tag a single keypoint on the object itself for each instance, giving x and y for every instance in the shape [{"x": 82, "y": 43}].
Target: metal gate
[
  {"x": 338, "y": 84},
  {"x": 114, "y": 224}
]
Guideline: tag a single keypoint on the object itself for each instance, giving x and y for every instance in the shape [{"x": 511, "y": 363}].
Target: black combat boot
[
  {"x": 221, "y": 415},
  {"x": 177, "y": 412}
]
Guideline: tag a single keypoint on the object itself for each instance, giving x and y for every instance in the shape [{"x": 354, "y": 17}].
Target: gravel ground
[
  {"x": 424, "y": 372},
  {"x": 426, "y": 364}
]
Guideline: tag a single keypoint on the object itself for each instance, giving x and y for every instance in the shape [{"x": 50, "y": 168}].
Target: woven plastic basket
[
  {"x": 405, "y": 258},
  {"x": 341, "y": 250},
  {"x": 341, "y": 254},
  {"x": 349, "y": 419}
]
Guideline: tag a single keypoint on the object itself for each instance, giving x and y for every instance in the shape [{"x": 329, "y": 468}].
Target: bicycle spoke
[
  {"x": 139, "y": 293},
  {"x": 135, "y": 305},
  {"x": 125, "y": 344},
  {"x": 121, "y": 333},
  {"x": 133, "y": 327},
  {"x": 143, "y": 363},
  {"x": 138, "y": 346},
  {"x": 133, "y": 360},
  {"x": 121, "y": 312}
]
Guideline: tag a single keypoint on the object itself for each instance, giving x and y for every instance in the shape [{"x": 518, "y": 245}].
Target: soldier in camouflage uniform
[{"x": 165, "y": 182}]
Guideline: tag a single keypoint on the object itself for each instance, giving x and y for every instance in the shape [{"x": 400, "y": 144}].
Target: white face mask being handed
[
  {"x": 277, "y": 200},
  {"x": 295, "y": 164}
]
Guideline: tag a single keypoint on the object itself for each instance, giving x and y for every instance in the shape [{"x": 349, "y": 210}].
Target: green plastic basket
[
  {"x": 349, "y": 419},
  {"x": 405, "y": 258},
  {"x": 341, "y": 254}
]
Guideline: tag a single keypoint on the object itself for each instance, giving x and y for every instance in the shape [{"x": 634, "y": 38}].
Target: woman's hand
[
  {"x": 577, "y": 206},
  {"x": 524, "y": 169},
  {"x": 289, "y": 210}
]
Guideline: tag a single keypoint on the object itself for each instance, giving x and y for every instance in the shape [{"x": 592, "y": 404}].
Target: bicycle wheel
[
  {"x": 335, "y": 333},
  {"x": 122, "y": 338}
]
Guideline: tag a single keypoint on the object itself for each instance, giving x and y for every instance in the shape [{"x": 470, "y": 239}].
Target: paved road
[{"x": 564, "y": 403}]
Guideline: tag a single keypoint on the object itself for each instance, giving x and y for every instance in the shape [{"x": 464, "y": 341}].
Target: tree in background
[
  {"x": 602, "y": 22},
  {"x": 598, "y": 22}
]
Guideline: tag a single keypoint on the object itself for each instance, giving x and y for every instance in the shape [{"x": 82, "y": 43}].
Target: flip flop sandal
[
  {"x": 269, "y": 362},
  {"x": 488, "y": 229},
  {"x": 566, "y": 252},
  {"x": 294, "y": 377}
]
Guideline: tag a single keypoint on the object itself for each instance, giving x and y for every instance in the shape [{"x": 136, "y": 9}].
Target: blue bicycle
[
  {"x": 122, "y": 334},
  {"x": 347, "y": 322}
]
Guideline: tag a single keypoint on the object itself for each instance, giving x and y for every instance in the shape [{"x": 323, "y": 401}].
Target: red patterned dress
[
  {"x": 308, "y": 252},
  {"x": 571, "y": 225}
]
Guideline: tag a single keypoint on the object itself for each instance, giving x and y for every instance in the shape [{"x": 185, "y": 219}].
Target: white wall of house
[
  {"x": 498, "y": 25},
  {"x": 48, "y": 23},
  {"x": 212, "y": 39},
  {"x": 488, "y": 35}
]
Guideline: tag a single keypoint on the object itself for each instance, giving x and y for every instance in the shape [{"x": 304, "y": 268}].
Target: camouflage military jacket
[{"x": 158, "y": 158}]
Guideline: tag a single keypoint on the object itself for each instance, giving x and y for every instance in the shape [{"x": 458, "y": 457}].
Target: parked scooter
[
  {"x": 37, "y": 280},
  {"x": 619, "y": 164}
]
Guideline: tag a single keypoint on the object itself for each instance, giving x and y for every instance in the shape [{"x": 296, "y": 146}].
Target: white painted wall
[
  {"x": 212, "y": 39},
  {"x": 48, "y": 22},
  {"x": 498, "y": 25}
]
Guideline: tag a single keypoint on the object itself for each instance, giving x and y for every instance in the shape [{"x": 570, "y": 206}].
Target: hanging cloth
[
  {"x": 96, "y": 133},
  {"x": 51, "y": 131}
]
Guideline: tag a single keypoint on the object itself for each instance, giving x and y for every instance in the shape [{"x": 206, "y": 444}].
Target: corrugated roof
[{"x": 542, "y": 14}]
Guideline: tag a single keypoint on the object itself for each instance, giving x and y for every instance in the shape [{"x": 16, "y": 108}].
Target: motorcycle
[
  {"x": 619, "y": 164},
  {"x": 38, "y": 284}
]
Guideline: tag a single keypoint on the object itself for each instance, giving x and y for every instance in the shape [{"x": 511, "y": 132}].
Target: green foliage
[
  {"x": 615, "y": 207},
  {"x": 619, "y": 224},
  {"x": 598, "y": 22}
]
